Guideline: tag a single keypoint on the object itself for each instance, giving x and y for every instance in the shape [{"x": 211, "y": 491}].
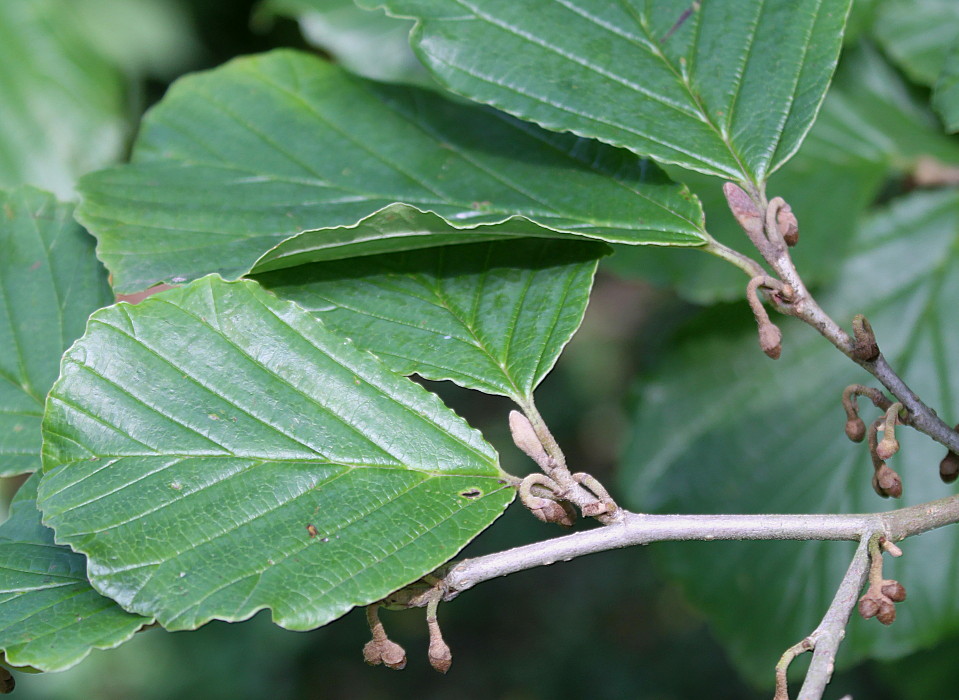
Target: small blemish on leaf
[
  {"x": 213, "y": 416},
  {"x": 471, "y": 493},
  {"x": 311, "y": 528},
  {"x": 176, "y": 485}
]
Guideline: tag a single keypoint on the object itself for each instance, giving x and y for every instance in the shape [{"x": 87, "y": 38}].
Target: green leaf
[
  {"x": 870, "y": 129},
  {"x": 215, "y": 451},
  {"x": 719, "y": 429},
  {"x": 50, "y": 617},
  {"x": 63, "y": 105},
  {"x": 917, "y": 35},
  {"x": 366, "y": 42},
  {"x": 50, "y": 281},
  {"x": 729, "y": 89},
  {"x": 235, "y": 162},
  {"x": 488, "y": 316},
  {"x": 945, "y": 97}
]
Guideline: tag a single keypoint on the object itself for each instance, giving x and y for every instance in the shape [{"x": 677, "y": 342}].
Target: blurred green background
[{"x": 607, "y": 626}]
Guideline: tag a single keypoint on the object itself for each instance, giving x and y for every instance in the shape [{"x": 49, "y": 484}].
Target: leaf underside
[
  {"x": 725, "y": 88},
  {"x": 233, "y": 164},
  {"x": 215, "y": 451},
  {"x": 488, "y": 316}
]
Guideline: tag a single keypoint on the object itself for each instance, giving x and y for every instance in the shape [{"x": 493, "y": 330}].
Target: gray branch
[{"x": 634, "y": 529}]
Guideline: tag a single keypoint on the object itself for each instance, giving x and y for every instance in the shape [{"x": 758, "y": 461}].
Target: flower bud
[
  {"x": 855, "y": 429},
  {"x": 440, "y": 656},
  {"x": 949, "y": 467},
  {"x": 887, "y": 447},
  {"x": 770, "y": 340},
  {"x": 894, "y": 590},
  {"x": 887, "y": 611},
  {"x": 744, "y": 209},
  {"x": 548, "y": 511},
  {"x": 868, "y": 606},
  {"x": 524, "y": 436},
  {"x": 886, "y": 482},
  {"x": 788, "y": 225},
  {"x": 385, "y": 652}
]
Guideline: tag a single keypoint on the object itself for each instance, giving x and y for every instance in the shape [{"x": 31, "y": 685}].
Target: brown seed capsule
[
  {"x": 855, "y": 429},
  {"x": 7, "y": 683},
  {"x": 788, "y": 225},
  {"x": 770, "y": 340},
  {"x": 894, "y": 590}
]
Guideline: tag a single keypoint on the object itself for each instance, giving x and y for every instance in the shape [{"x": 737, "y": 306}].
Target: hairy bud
[
  {"x": 887, "y": 611},
  {"x": 440, "y": 656},
  {"x": 385, "y": 652},
  {"x": 855, "y": 429},
  {"x": 770, "y": 340},
  {"x": 864, "y": 348},
  {"x": 886, "y": 482},
  {"x": 949, "y": 467},
  {"x": 893, "y": 590},
  {"x": 524, "y": 436},
  {"x": 744, "y": 209},
  {"x": 788, "y": 225},
  {"x": 868, "y": 606},
  {"x": 548, "y": 511},
  {"x": 887, "y": 447}
]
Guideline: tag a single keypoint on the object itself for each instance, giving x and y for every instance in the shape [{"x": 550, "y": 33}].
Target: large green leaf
[
  {"x": 870, "y": 129},
  {"x": 945, "y": 98},
  {"x": 50, "y": 281},
  {"x": 63, "y": 110},
  {"x": 235, "y": 162},
  {"x": 718, "y": 430},
  {"x": 366, "y": 42},
  {"x": 917, "y": 35},
  {"x": 488, "y": 316},
  {"x": 725, "y": 88},
  {"x": 50, "y": 617},
  {"x": 215, "y": 451}
]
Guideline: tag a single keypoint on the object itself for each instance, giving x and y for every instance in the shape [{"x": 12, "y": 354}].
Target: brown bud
[
  {"x": 868, "y": 606},
  {"x": 887, "y": 447},
  {"x": 440, "y": 656},
  {"x": 591, "y": 510},
  {"x": 524, "y": 436},
  {"x": 886, "y": 482},
  {"x": 864, "y": 347},
  {"x": 744, "y": 209},
  {"x": 7, "y": 683},
  {"x": 855, "y": 429},
  {"x": 770, "y": 340},
  {"x": 949, "y": 467},
  {"x": 887, "y": 611},
  {"x": 549, "y": 511},
  {"x": 893, "y": 590},
  {"x": 385, "y": 652},
  {"x": 788, "y": 225}
]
